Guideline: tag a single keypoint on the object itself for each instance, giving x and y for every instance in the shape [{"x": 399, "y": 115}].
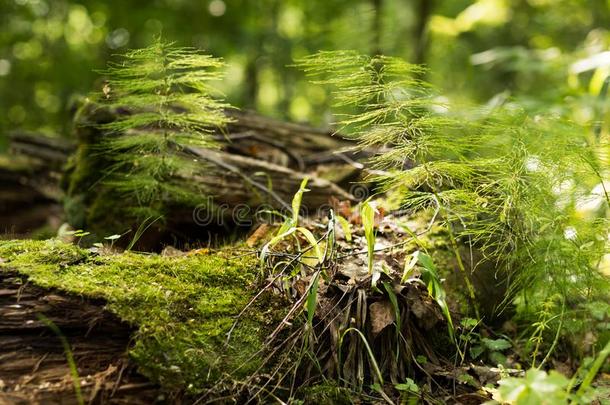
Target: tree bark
[
  {"x": 34, "y": 369},
  {"x": 262, "y": 163}
]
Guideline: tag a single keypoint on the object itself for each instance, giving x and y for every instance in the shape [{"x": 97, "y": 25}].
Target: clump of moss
[
  {"x": 328, "y": 394},
  {"x": 182, "y": 306}
]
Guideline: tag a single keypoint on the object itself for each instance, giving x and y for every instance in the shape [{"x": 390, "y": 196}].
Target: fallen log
[
  {"x": 262, "y": 163},
  {"x": 283, "y": 180},
  {"x": 33, "y": 363},
  {"x": 29, "y": 195},
  {"x": 167, "y": 315},
  {"x": 206, "y": 324}
]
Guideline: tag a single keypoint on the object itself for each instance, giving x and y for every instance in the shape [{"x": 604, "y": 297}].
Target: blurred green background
[{"x": 547, "y": 54}]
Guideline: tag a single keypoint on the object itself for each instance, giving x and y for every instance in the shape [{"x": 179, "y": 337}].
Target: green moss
[
  {"x": 182, "y": 306},
  {"x": 328, "y": 394},
  {"x": 15, "y": 163}
]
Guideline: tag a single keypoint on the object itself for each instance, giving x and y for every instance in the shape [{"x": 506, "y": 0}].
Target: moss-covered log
[
  {"x": 34, "y": 367},
  {"x": 181, "y": 308},
  {"x": 261, "y": 162}
]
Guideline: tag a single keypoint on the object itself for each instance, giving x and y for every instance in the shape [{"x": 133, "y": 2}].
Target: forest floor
[
  {"x": 168, "y": 316},
  {"x": 308, "y": 309}
]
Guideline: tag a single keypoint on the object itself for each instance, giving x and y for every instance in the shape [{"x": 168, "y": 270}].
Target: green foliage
[
  {"x": 49, "y": 48},
  {"x": 371, "y": 355},
  {"x": 492, "y": 349},
  {"x": 409, "y": 386},
  {"x": 593, "y": 370},
  {"x": 500, "y": 181},
  {"x": 165, "y": 106},
  {"x": 537, "y": 387},
  {"x": 79, "y": 233},
  {"x": 367, "y": 213},
  {"x": 290, "y": 226},
  {"x": 345, "y": 226},
  {"x": 432, "y": 280}
]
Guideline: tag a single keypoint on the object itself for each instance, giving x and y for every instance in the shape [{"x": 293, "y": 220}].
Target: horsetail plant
[
  {"x": 165, "y": 105},
  {"x": 501, "y": 182}
]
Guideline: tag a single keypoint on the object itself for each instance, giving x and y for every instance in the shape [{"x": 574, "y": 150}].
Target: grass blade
[
  {"x": 367, "y": 212},
  {"x": 69, "y": 357},
  {"x": 345, "y": 226}
]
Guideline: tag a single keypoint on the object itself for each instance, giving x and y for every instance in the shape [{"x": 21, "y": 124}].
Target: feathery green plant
[
  {"x": 500, "y": 181},
  {"x": 165, "y": 105}
]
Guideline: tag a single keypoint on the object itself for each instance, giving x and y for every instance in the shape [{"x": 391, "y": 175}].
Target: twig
[{"x": 235, "y": 170}]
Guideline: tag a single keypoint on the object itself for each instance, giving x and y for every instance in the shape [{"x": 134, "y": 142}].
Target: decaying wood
[
  {"x": 271, "y": 183},
  {"x": 262, "y": 163},
  {"x": 284, "y": 152},
  {"x": 29, "y": 191},
  {"x": 33, "y": 365},
  {"x": 304, "y": 146},
  {"x": 51, "y": 152}
]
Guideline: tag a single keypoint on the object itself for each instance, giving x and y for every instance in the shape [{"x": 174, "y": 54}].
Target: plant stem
[
  {"x": 469, "y": 286},
  {"x": 599, "y": 361},
  {"x": 557, "y": 334}
]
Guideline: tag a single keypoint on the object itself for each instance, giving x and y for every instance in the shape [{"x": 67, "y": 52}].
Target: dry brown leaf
[
  {"x": 170, "y": 251},
  {"x": 258, "y": 235},
  {"x": 382, "y": 315},
  {"x": 202, "y": 251},
  {"x": 343, "y": 208}
]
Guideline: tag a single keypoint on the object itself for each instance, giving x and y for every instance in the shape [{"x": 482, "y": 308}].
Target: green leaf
[
  {"x": 112, "y": 237},
  {"x": 496, "y": 344},
  {"x": 476, "y": 351},
  {"x": 409, "y": 267},
  {"x": 409, "y": 385},
  {"x": 597, "y": 364},
  {"x": 466, "y": 378},
  {"x": 497, "y": 358},
  {"x": 469, "y": 323},
  {"x": 276, "y": 239},
  {"x": 313, "y": 242},
  {"x": 536, "y": 387},
  {"x": 367, "y": 213},
  {"x": 297, "y": 199},
  {"x": 345, "y": 226},
  {"x": 430, "y": 277},
  {"x": 394, "y": 301},
  {"x": 373, "y": 361},
  {"x": 375, "y": 276}
]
